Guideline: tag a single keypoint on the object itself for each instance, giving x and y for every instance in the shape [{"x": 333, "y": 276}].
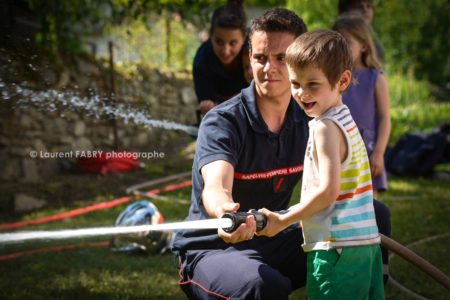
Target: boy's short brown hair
[{"x": 324, "y": 49}]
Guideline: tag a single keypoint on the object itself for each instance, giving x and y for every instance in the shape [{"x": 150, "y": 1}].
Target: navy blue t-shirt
[
  {"x": 267, "y": 166},
  {"x": 211, "y": 80}
]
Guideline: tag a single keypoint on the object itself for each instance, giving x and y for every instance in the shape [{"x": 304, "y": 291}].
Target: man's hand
[
  {"x": 217, "y": 199},
  {"x": 245, "y": 231}
]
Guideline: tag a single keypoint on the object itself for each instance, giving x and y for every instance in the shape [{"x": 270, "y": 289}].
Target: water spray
[
  {"x": 229, "y": 222},
  {"x": 93, "y": 105}
]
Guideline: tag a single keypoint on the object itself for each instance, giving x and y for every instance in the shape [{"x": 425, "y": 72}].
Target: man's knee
[
  {"x": 270, "y": 284},
  {"x": 262, "y": 282}
]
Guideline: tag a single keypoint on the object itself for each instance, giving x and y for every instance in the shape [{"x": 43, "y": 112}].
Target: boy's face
[{"x": 312, "y": 90}]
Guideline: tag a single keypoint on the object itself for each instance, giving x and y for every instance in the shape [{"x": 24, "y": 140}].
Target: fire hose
[{"x": 229, "y": 223}]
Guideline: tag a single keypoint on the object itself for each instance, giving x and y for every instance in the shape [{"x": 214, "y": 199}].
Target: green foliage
[
  {"x": 412, "y": 106},
  {"x": 415, "y": 34},
  {"x": 149, "y": 42},
  {"x": 193, "y": 11},
  {"x": 316, "y": 14},
  {"x": 265, "y": 3},
  {"x": 405, "y": 90},
  {"x": 65, "y": 23},
  {"x": 418, "y": 117}
]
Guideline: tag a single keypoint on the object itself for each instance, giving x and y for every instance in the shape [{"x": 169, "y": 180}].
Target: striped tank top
[{"x": 350, "y": 220}]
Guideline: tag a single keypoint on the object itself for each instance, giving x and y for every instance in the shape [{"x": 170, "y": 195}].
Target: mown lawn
[{"x": 419, "y": 207}]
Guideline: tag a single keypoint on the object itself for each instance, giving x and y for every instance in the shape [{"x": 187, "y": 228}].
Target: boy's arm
[
  {"x": 331, "y": 149},
  {"x": 384, "y": 125}
]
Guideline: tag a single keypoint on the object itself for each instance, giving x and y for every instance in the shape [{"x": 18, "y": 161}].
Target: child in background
[
  {"x": 368, "y": 96},
  {"x": 217, "y": 67},
  {"x": 336, "y": 208},
  {"x": 365, "y": 9}
]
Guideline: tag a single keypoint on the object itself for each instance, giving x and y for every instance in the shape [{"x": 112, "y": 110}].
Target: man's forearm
[{"x": 214, "y": 199}]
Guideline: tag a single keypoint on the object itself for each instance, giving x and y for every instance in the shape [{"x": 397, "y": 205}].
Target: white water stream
[
  {"x": 23, "y": 236},
  {"x": 93, "y": 105}
]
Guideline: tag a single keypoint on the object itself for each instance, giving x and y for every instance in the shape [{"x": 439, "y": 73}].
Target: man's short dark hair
[{"x": 278, "y": 20}]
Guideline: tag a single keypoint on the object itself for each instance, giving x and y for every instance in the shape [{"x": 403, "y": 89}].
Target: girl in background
[
  {"x": 366, "y": 10},
  {"x": 218, "y": 71},
  {"x": 368, "y": 95}
]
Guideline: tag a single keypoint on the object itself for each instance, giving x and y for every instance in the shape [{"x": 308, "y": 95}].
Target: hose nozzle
[{"x": 239, "y": 217}]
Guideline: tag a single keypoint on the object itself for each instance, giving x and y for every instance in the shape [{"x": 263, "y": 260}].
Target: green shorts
[{"x": 355, "y": 273}]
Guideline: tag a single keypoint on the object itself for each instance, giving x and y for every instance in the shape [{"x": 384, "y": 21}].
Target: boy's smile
[{"x": 312, "y": 90}]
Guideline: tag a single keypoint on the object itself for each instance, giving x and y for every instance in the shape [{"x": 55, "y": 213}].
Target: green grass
[
  {"x": 88, "y": 272},
  {"x": 413, "y": 108},
  {"x": 419, "y": 207}
]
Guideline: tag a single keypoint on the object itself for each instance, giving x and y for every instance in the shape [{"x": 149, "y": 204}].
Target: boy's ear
[{"x": 344, "y": 82}]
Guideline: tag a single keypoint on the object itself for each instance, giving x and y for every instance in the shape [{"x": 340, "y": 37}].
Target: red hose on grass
[
  {"x": 51, "y": 249},
  {"x": 87, "y": 209}
]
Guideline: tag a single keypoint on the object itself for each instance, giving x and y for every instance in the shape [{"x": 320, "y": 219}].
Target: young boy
[{"x": 336, "y": 207}]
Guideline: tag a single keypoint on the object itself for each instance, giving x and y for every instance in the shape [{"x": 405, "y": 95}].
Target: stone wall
[{"x": 26, "y": 128}]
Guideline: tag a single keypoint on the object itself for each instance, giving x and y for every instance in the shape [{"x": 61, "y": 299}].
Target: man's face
[{"x": 270, "y": 73}]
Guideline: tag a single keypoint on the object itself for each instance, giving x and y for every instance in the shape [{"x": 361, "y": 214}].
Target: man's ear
[{"x": 345, "y": 80}]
